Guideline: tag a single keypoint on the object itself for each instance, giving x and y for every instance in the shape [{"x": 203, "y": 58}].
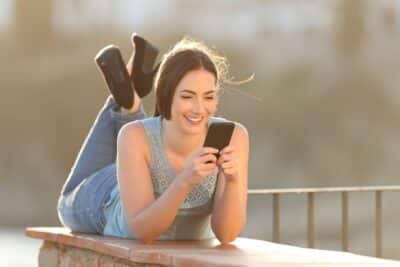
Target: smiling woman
[{"x": 151, "y": 178}]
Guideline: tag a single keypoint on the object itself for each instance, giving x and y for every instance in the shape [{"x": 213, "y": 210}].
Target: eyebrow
[{"x": 193, "y": 92}]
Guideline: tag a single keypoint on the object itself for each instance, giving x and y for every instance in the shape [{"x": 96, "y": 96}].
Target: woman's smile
[
  {"x": 195, "y": 120},
  {"x": 194, "y": 101}
]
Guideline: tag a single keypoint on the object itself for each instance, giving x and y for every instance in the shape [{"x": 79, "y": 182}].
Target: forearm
[
  {"x": 229, "y": 213},
  {"x": 156, "y": 218}
]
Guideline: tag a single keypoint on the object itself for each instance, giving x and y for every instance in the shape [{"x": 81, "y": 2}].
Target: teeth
[{"x": 194, "y": 119}]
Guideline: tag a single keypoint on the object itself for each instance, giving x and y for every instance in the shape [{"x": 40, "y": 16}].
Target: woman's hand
[
  {"x": 228, "y": 163},
  {"x": 199, "y": 165}
]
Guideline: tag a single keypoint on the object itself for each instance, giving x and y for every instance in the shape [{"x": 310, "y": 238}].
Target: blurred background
[{"x": 323, "y": 109}]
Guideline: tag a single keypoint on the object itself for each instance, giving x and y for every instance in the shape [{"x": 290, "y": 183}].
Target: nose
[{"x": 198, "y": 106}]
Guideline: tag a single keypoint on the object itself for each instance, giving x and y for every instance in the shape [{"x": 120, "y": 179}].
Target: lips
[{"x": 194, "y": 120}]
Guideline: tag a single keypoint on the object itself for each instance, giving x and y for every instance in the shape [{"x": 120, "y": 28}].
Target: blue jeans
[{"x": 93, "y": 175}]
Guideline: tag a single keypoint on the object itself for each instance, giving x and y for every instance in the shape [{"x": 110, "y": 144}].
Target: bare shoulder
[
  {"x": 134, "y": 128},
  {"x": 133, "y": 135},
  {"x": 240, "y": 132}
]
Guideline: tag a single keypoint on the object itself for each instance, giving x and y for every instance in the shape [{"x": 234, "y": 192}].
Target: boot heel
[
  {"x": 143, "y": 70},
  {"x": 112, "y": 66}
]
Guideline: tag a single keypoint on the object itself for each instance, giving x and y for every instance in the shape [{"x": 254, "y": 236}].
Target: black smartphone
[{"x": 219, "y": 135}]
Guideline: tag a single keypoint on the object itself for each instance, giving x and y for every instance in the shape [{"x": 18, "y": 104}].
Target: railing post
[
  {"x": 276, "y": 194},
  {"x": 276, "y": 222},
  {"x": 310, "y": 223},
  {"x": 378, "y": 223},
  {"x": 345, "y": 221}
]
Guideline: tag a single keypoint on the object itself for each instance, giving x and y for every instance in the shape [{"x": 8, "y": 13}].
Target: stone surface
[
  {"x": 63, "y": 248},
  {"x": 57, "y": 255},
  {"x": 48, "y": 255}
]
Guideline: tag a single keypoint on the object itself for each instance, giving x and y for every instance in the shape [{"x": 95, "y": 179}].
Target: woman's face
[{"x": 194, "y": 101}]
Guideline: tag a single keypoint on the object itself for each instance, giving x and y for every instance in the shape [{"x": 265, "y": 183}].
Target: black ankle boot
[
  {"x": 143, "y": 70},
  {"x": 110, "y": 62},
  {"x": 141, "y": 73}
]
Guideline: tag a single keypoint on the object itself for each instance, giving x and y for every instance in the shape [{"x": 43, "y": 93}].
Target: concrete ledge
[
  {"x": 63, "y": 248},
  {"x": 55, "y": 254}
]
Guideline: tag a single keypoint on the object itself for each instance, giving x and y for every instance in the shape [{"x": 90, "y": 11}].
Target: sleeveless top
[{"x": 193, "y": 220}]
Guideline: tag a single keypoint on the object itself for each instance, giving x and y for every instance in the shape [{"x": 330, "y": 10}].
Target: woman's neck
[{"x": 178, "y": 142}]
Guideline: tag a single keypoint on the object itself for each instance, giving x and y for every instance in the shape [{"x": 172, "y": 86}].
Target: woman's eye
[
  {"x": 186, "y": 96},
  {"x": 209, "y": 97}
]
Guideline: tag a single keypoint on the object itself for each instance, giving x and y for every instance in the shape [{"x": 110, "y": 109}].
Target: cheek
[
  {"x": 179, "y": 106},
  {"x": 212, "y": 107}
]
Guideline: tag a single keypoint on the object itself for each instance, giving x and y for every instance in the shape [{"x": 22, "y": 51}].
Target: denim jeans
[{"x": 93, "y": 175}]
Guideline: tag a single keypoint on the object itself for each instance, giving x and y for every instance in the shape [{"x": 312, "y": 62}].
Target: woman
[{"x": 151, "y": 179}]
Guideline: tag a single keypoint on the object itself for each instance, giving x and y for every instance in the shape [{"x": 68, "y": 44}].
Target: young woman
[{"x": 151, "y": 178}]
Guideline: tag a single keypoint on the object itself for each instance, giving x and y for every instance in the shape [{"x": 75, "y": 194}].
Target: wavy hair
[{"x": 185, "y": 56}]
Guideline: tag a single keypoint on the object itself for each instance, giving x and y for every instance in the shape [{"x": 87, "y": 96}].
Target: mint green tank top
[{"x": 193, "y": 220}]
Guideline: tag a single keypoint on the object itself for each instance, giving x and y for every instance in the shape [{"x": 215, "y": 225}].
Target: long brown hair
[{"x": 185, "y": 56}]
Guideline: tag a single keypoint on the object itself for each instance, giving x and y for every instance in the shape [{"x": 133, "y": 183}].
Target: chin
[{"x": 191, "y": 128}]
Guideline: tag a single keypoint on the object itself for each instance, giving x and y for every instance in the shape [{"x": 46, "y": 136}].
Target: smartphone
[{"x": 219, "y": 135}]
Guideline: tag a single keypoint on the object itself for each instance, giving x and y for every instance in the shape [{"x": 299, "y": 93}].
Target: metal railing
[{"x": 311, "y": 192}]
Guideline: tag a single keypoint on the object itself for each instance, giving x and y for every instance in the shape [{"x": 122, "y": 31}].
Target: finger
[
  {"x": 224, "y": 158},
  {"x": 209, "y": 150},
  {"x": 227, "y": 150},
  {"x": 208, "y": 158},
  {"x": 230, "y": 171},
  {"x": 228, "y": 165},
  {"x": 208, "y": 168},
  {"x": 232, "y": 162}
]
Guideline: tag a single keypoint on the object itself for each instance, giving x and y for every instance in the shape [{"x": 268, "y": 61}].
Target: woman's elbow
[
  {"x": 141, "y": 234},
  {"x": 226, "y": 238},
  {"x": 225, "y": 235},
  {"x": 144, "y": 238}
]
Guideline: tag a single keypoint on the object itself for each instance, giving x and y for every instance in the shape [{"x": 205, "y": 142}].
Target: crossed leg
[{"x": 93, "y": 174}]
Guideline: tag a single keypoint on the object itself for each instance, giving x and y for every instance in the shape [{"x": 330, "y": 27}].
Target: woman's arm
[
  {"x": 149, "y": 218},
  {"x": 230, "y": 200}
]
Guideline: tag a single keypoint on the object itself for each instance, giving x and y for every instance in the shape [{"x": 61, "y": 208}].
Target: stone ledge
[
  {"x": 63, "y": 248},
  {"x": 55, "y": 254}
]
